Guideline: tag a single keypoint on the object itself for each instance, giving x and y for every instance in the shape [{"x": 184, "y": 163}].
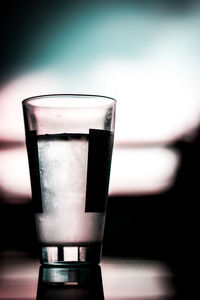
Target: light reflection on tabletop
[{"x": 122, "y": 279}]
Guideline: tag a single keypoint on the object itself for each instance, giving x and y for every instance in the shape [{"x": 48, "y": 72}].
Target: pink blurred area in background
[
  {"x": 141, "y": 138},
  {"x": 152, "y": 71}
]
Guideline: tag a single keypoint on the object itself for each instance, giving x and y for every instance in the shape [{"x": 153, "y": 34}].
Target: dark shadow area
[
  {"x": 18, "y": 230},
  {"x": 161, "y": 226}
]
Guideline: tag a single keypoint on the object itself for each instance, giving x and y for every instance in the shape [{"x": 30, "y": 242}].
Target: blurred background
[{"x": 146, "y": 55}]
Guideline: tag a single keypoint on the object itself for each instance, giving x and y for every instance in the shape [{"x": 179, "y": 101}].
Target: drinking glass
[{"x": 69, "y": 141}]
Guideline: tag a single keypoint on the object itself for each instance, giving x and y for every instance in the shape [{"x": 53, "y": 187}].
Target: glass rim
[{"x": 33, "y": 99}]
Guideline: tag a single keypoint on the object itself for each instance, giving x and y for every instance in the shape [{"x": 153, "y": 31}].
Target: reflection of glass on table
[
  {"x": 70, "y": 283},
  {"x": 122, "y": 279}
]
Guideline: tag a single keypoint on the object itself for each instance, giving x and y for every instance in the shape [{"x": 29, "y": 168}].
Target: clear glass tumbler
[{"x": 69, "y": 141}]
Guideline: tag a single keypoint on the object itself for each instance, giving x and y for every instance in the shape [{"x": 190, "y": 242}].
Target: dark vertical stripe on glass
[
  {"x": 98, "y": 173},
  {"x": 31, "y": 142}
]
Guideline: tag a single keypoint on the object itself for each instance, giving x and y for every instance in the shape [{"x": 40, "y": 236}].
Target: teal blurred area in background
[
  {"x": 72, "y": 35},
  {"x": 143, "y": 53}
]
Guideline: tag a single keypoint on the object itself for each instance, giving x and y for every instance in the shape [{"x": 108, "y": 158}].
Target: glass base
[{"x": 64, "y": 255}]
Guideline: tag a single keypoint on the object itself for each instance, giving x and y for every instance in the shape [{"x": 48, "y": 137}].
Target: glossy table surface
[{"x": 22, "y": 277}]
